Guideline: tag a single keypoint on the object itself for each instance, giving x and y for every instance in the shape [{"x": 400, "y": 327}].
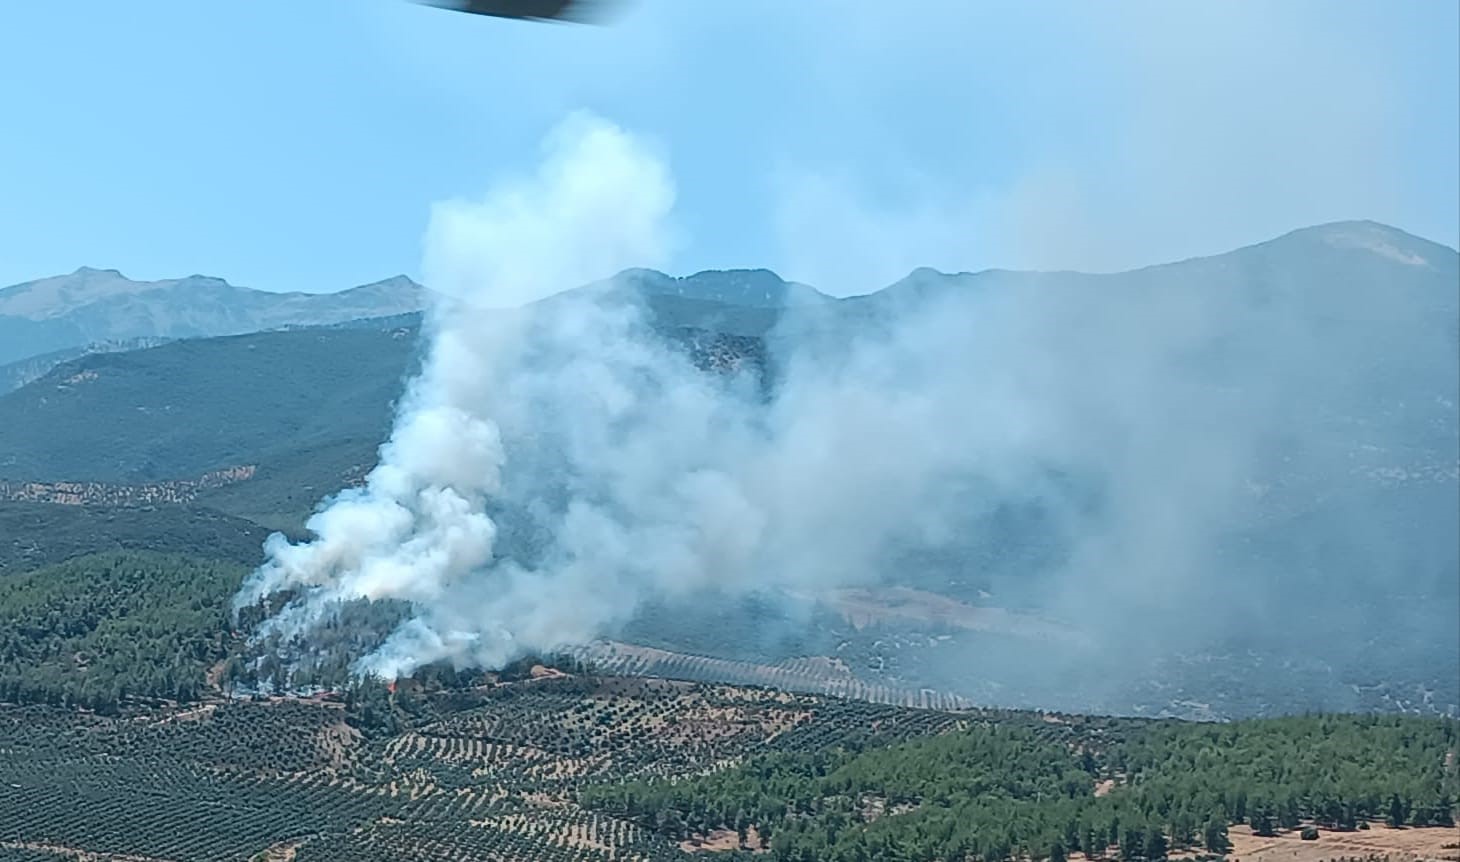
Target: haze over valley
[{"x": 1050, "y": 480}]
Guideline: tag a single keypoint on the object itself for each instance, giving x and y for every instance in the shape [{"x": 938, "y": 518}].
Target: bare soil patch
[
  {"x": 336, "y": 742},
  {"x": 284, "y": 851},
  {"x": 722, "y": 840},
  {"x": 865, "y": 606},
  {"x": 1418, "y": 843}
]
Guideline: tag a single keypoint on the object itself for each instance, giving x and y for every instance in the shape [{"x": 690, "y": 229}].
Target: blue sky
[{"x": 286, "y": 145}]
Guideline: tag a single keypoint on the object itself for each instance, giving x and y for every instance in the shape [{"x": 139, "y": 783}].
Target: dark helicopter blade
[{"x": 577, "y": 11}]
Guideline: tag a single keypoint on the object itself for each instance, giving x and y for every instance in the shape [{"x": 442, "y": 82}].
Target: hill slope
[
  {"x": 33, "y": 535},
  {"x": 16, "y": 374},
  {"x": 196, "y": 405},
  {"x": 191, "y": 406},
  {"x": 184, "y": 408}
]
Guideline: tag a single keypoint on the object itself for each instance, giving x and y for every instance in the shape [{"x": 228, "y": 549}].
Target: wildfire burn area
[{"x": 574, "y": 766}]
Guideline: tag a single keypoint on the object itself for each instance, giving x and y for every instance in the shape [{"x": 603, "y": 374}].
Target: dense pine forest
[
  {"x": 100, "y": 631},
  {"x": 1134, "y": 790}
]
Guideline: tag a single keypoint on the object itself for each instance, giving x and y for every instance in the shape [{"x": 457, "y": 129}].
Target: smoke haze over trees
[{"x": 1192, "y": 462}]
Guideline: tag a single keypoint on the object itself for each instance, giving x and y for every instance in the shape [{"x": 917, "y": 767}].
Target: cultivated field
[
  {"x": 558, "y": 767},
  {"x": 812, "y": 675},
  {"x": 490, "y": 775}
]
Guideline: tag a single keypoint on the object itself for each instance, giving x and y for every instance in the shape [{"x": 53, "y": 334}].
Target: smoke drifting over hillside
[{"x": 552, "y": 468}]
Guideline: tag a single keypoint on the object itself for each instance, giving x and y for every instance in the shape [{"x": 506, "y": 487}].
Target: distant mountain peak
[
  {"x": 741, "y": 272},
  {"x": 53, "y": 297},
  {"x": 1346, "y": 225},
  {"x": 97, "y": 305},
  {"x": 1381, "y": 239},
  {"x": 754, "y": 288},
  {"x": 401, "y": 283}
]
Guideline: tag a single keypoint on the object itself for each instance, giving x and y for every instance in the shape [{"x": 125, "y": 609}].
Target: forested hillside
[
  {"x": 99, "y": 632},
  {"x": 33, "y": 535},
  {"x": 1136, "y": 791},
  {"x": 278, "y": 401},
  {"x": 188, "y": 407}
]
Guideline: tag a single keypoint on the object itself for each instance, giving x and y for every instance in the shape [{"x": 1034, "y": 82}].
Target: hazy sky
[{"x": 299, "y": 145}]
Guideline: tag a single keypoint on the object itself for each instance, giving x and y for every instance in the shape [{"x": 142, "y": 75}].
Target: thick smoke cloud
[
  {"x": 556, "y": 465},
  {"x": 418, "y": 531}
]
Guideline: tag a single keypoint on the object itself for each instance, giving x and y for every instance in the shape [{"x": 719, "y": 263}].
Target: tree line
[{"x": 995, "y": 792}]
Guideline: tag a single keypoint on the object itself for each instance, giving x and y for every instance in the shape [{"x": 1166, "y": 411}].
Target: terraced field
[
  {"x": 556, "y": 767},
  {"x": 487, "y": 774},
  {"x": 813, "y": 675}
]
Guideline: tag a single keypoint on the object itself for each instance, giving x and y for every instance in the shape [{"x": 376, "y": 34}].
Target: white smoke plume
[
  {"x": 418, "y": 531},
  {"x": 1141, "y": 415}
]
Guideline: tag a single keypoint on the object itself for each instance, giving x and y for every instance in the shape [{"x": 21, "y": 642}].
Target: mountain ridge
[
  {"x": 88, "y": 284},
  {"x": 1356, "y": 233},
  {"x": 1332, "y": 232},
  {"x": 1353, "y": 311},
  {"x": 92, "y": 305}
]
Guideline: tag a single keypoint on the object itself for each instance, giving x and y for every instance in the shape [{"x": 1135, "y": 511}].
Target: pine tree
[
  {"x": 1214, "y": 837},
  {"x": 1133, "y": 845},
  {"x": 1071, "y": 840},
  {"x": 1398, "y": 811},
  {"x": 1182, "y": 828},
  {"x": 1155, "y": 845},
  {"x": 1442, "y": 815}
]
